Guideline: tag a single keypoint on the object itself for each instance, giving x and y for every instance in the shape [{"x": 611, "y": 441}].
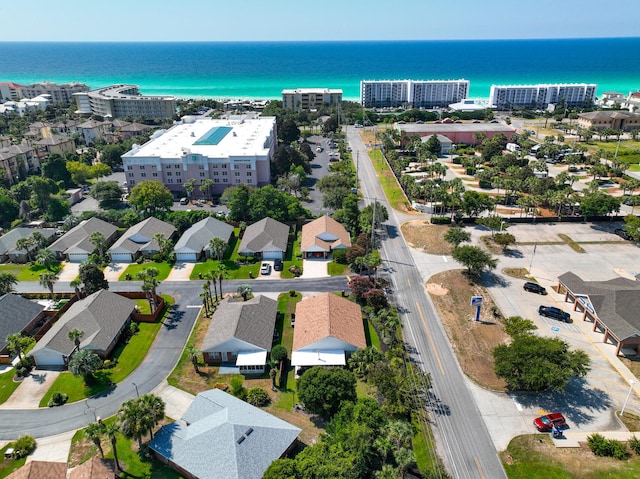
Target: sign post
[{"x": 477, "y": 302}]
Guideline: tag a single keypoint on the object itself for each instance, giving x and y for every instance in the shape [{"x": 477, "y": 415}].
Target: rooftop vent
[{"x": 240, "y": 439}]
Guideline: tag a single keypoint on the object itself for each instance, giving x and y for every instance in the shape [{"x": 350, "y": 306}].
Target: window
[
  {"x": 142, "y": 167},
  {"x": 236, "y": 167},
  {"x": 202, "y": 173},
  {"x": 129, "y": 167},
  {"x": 179, "y": 180},
  {"x": 169, "y": 173},
  {"x": 201, "y": 167},
  {"x": 216, "y": 180},
  {"x": 248, "y": 173},
  {"x": 131, "y": 182},
  {"x": 144, "y": 175},
  {"x": 238, "y": 180},
  {"x": 248, "y": 167},
  {"x": 155, "y": 174},
  {"x": 170, "y": 180},
  {"x": 214, "y": 166},
  {"x": 178, "y": 173},
  {"x": 249, "y": 181},
  {"x": 215, "y": 173},
  {"x": 176, "y": 167},
  {"x": 224, "y": 173},
  {"x": 237, "y": 173},
  {"x": 224, "y": 166},
  {"x": 224, "y": 180},
  {"x": 130, "y": 175}
]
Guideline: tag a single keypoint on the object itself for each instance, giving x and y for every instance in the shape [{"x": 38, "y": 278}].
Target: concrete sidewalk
[{"x": 572, "y": 439}]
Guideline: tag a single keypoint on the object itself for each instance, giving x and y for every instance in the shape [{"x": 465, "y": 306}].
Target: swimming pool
[{"x": 213, "y": 136}]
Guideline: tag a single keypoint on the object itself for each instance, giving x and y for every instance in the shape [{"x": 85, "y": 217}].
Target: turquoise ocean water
[{"x": 262, "y": 70}]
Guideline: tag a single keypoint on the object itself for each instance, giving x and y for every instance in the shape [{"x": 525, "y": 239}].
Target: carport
[{"x": 611, "y": 306}]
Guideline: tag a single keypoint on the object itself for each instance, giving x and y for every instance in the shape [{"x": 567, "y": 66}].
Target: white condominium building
[
  {"x": 59, "y": 92},
  {"x": 505, "y": 97},
  {"x": 121, "y": 101},
  {"x": 310, "y": 98},
  {"x": 228, "y": 152},
  {"x": 416, "y": 94}
]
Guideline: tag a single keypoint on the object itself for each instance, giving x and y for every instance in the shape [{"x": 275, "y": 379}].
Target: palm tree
[
  {"x": 39, "y": 240},
  {"x": 94, "y": 432},
  {"x": 154, "y": 407},
  {"x": 205, "y": 300},
  {"x": 111, "y": 430},
  {"x": 7, "y": 282},
  {"x": 84, "y": 363},
  {"x": 46, "y": 258},
  {"x": 131, "y": 419},
  {"x": 16, "y": 344},
  {"x": 99, "y": 242},
  {"x": 399, "y": 433},
  {"x": 244, "y": 290},
  {"x": 150, "y": 283},
  {"x": 206, "y": 185},
  {"x": 217, "y": 247},
  {"x": 47, "y": 280},
  {"x": 189, "y": 186},
  {"x": 75, "y": 284},
  {"x": 25, "y": 244},
  {"x": 387, "y": 472},
  {"x": 75, "y": 335},
  {"x": 193, "y": 353},
  {"x": 404, "y": 458},
  {"x": 211, "y": 277}
]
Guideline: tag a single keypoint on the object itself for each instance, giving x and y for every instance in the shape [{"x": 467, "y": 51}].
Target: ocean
[{"x": 263, "y": 69}]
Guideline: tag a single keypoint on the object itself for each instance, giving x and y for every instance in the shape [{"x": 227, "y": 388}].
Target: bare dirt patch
[
  {"x": 472, "y": 341},
  {"x": 429, "y": 238}
]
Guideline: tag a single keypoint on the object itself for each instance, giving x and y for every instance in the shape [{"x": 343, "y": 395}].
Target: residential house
[
  {"x": 139, "y": 240},
  {"x": 93, "y": 131},
  {"x": 19, "y": 315},
  {"x": 8, "y": 250},
  {"x": 76, "y": 245},
  {"x": 40, "y": 470},
  {"x": 241, "y": 332},
  {"x": 266, "y": 239},
  {"x": 194, "y": 243},
  {"x": 221, "y": 436},
  {"x": 94, "y": 468},
  {"x": 18, "y": 160},
  {"x": 614, "y": 119},
  {"x": 327, "y": 328},
  {"x": 446, "y": 145},
  {"x": 60, "y": 144},
  {"x": 102, "y": 316},
  {"x": 321, "y": 236},
  {"x": 132, "y": 129}
]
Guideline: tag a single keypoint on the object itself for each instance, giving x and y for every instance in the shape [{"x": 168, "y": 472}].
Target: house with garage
[
  {"x": 321, "y": 236},
  {"x": 101, "y": 316},
  {"x": 19, "y": 315},
  {"x": 76, "y": 245},
  {"x": 140, "y": 240},
  {"x": 223, "y": 436},
  {"x": 266, "y": 239},
  {"x": 8, "y": 250},
  {"x": 327, "y": 329},
  {"x": 193, "y": 245},
  {"x": 241, "y": 332}
]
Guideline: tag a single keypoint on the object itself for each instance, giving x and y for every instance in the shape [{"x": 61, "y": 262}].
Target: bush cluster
[
  {"x": 440, "y": 220},
  {"x": 258, "y": 397},
  {"x": 58, "y": 399},
  {"x": 23, "y": 446},
  {"x": 601, "y": 446}
]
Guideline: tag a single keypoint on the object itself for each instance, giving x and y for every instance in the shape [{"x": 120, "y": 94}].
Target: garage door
[
  {"x": 78, "y": 258},
  {"x": 272, "y": 255},
  {"x": 191, "y": 257},
  {"x": 121, "y": 257}
]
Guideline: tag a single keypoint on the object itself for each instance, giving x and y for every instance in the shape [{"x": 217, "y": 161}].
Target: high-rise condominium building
[
  {"x": 413, "y": 93},
  {"x": 506, "y": 97},
  {"x": 121, "y": 101},
  {"x": 310, "y": 98}
]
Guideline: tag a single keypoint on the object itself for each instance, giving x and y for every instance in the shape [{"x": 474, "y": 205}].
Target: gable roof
[
  {"x": 40, "y": 470},
  {"x": 221, "y": 435},
  {"x": 324, "y": 234},
  {"x": 8, "y": 241},
  {"x": 197, "y": 238},
  {"x": 17, "y": 313},
  {"x": 327, "y": 315},
  {"x": 100, "y": 316},
  {"x": 141, "y": 236},
  {"x": 79, "y": 237},
  {"x": 265, "y": 235},
  {"x": 252, "y": 321},
  {"x": 94, "y": 468}
]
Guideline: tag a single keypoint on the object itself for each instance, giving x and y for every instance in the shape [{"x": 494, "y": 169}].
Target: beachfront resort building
[
  {"x": 58, "y": 92},
  {"x": 310, "y": 98},
  {"x": 412, "y": 93},
  {"x": 121, "y": 101},
  {"x": 506, "y": 97},
  {"x": 228, "y": 152}
]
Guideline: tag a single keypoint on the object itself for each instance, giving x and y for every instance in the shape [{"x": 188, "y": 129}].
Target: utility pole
[{"x": 373, "y": 224}]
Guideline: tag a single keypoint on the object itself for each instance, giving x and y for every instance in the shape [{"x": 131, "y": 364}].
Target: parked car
[
  {"x": 184, "y": 201},
  {"x": 554, "y": 313},
  {"x": 277, "y": 265},
  {"x": 534, "y": 288},
  {"x": 622, "y": 233},
  {"x": 545, "y": 423},
  {"x": 265, "y": 269}
]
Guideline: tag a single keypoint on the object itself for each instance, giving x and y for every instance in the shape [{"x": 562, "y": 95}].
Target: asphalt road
[
  {"x": 462, "y": 438},
  {"x": 157, "y": 365}
]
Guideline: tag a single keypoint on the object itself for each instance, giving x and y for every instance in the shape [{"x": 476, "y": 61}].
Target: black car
[
  {"x": 277, "y": 265},
  {"x": 534, "y": 288},
  {"x": 622, "y": 233},
  {"x": 554, "y": 313}
]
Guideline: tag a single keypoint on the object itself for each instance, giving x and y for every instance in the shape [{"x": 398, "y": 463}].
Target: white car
[{"x": 265, "y": 269}]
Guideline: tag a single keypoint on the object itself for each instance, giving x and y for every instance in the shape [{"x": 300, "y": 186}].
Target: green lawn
[
  {"x": 371, "y": 335},
  {"x": 25, "y": 272},
  {"x": 391, "y": 188},
  {"x": 337, "y": 269},
  {"x": 234, "y": 264},
  {"x": 286, "y": 306},
  {"x": 628, "y": 152},
  {"x": 163, "y": 268},
  {"x": 7, "y": 386},
  {"x": 7, "y": 466},
  {"x": 129, "y": 356},
  {"x": 292, "y": 257}
]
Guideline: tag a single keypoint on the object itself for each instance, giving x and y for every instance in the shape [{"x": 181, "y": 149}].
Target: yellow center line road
[
  {"x": 433, "y": 346},
  {"x": 479, "y": 468}
]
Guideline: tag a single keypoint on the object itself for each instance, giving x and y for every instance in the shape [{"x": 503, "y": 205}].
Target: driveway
[
  {"x": 314, "y": 268},
  {"x": 114, "y": 270},
  {"x": 31, "y": 390},
  {"x": 69, "y": 272},
  {"x": 181, "y": 271}
]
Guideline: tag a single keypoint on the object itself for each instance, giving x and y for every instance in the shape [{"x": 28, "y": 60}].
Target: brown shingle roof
[
  {"x": 324, "y": 234},
  {"x": 328, "y": 315},
  {"x": 40, "y": 470},
  {"x": 94, "y": 468}
]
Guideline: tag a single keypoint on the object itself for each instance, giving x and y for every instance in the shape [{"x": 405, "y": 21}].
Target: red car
[{"x": 545, "y": 423}]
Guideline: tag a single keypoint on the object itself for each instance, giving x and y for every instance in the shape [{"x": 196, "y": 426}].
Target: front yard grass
[
  {"x": 163, "y": 268},
  {"x": 7, "y": 466},
  {"x": 24, "y": 272},
  {"x": 7, "y": 385},
  {"x": 293, "y": 257},
  {"x": 235, "y": 266},
  {"x": 337, "y": 269},
  {"x": 128, "y": 356}
]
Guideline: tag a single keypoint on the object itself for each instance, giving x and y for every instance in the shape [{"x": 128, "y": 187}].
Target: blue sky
[{"x": 304, "y": 20}]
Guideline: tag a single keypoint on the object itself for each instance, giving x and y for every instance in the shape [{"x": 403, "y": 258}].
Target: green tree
[
  {"x": 433, "y": 145},
  {"x": 8, "y": 281},
  {"x": 217, "y": 246},
  {"x": 9, "y": 209},
  {"x": 244, "y": 290},
  {"x": 268, "y": 201},
  {"x": 278, "y": 353},
  {"x": 189, "y": 186},
  {"x": 84, "y": 363},
  {"x": 154, "y": 408},
  {"x": 474, "y": 203},
  {"x": 46, "y": 258},
  {"x": 324, "y": 390},
  {"x": 205, "y": 187},
  {"x": 18, "y": 343},
  {"x": 94, "y": 432},
  {"x": 282, "y": 469},
  {"x": 535, "y": 363},
  {"x": 194, "y": 354},
  {"x": 108, "y": 193},
  {"x": 111, "y": 430},
  {"x": 93, "y": 278},
  {"x": 631, "y": 227},
  {"x": 47, "y": 280},
  {"x": 288, "y": 131},
  {"x": 25, "y": 244},
  {"x": 150, "y": 197},
  {"x": 457, "y": 235},
  {"x": 504, "y": 240},
  {"x": 132, "y": 420},
  {"x": 598, "y": 203},
  {"x": 362, "y": 360},
  {"x": 493, "y": 222},
  {"x": 474, "y": 259},
  {"x": 366, "y": 217},
  {"x": 55, "y": 168},
  {"x": 150, "y": 282},
  {"x": 517, "y": 326},
  {"x": 331, "y": 125},
  {"x": 80, "y": 172},
  {"x": 75, "y": 335}
]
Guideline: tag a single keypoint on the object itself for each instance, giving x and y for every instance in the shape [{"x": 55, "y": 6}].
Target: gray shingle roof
[
  {"x": 197, "y": 238},
  {"x": 78, "y": 238},
  {"x": 100, "y": 315},
  {"x": 15, "y": 314},
  {"x": 616, "y": 302},
  {"x": 252, "y": 321},
  {"x": 8, "y": 241},
  {"x": 140, "y": 236},
  {"x": 222, "y": 436},
  {"x": 265, "y": 235}
]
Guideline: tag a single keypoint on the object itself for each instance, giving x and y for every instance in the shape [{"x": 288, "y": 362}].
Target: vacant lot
[
  {"x": 423, "y": 235},
  {"x": 472, "y": 341}
]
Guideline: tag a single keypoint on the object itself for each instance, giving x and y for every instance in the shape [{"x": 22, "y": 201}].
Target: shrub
[
  {"x": 603, "y": 447},
  {"x": 340, "y": 256},
  {"x": 440, "y": 220},
  {"x": 278, "y": 353},
  {"x": 456, "y": 160},
  {"x": 295, "y": 270},
  {"x": 258, "y": 397},
  {"x": 292, "y": 292},
  {"x": 634, "y": 444},
  {"x": 58, "y": 399},
  {"x": 23, "y": 446},
  {"x": 484, "y": 184},
  {"x": 134, "y": 328},
  {"x": 237, "y": 389},
  {"x": 470, "y": 170}
]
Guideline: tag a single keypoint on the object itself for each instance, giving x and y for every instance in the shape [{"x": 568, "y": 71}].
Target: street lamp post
[
  {"x": 136, "y": 386},
  {"x": 631, "y": 383}
]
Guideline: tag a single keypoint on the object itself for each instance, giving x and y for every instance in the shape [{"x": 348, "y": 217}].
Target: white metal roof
[
  {"x": 318, "y": 358},
  {"x": 251, "y": 358}
]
